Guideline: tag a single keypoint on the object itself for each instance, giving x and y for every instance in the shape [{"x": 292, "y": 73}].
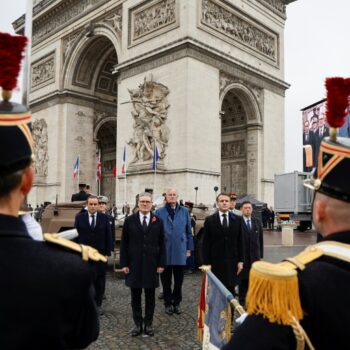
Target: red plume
[
  {"x": 338, "y": 90},
  {"x": 11, "y": 49}
]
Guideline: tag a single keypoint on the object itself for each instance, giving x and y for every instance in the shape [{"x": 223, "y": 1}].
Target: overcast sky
[{"x": 316, "y": 46}]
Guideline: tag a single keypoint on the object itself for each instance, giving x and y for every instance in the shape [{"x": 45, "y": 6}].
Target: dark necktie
[
  {"x": 144, "y": 223},
  {"x": 248, "y": 224},
  {"x": 92, "y": 222},
  {"x": 224, "y": 221}
]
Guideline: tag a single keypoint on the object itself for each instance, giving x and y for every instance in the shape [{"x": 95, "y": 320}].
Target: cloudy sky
[{"x": 316, "y": 46}]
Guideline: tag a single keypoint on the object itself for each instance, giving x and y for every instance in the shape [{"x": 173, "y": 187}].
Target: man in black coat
[
  {"x": 223, "y": 243},
  {"x": 252, "y": 232},
  {"x": 142, "y": 258},
  {"x": 94, "y": 230},
  {"x": 309, "y": 293},
  {"x": 46, "y": 293},
  {"x": 82, "y": 195}
]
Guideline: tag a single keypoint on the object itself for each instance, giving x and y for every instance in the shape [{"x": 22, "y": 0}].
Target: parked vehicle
[{"x": 293, "y": 201}]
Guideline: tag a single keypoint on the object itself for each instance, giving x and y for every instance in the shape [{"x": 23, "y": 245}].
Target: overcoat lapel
[{"x": 138, "y": 222}]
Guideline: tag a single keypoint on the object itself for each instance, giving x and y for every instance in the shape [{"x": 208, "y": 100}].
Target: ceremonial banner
[{"x": 217, "y": 317}]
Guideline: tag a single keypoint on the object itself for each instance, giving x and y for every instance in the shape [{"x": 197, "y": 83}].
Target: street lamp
[
  {"x": 216, "y": 188},
  {"x": 196, "y": 189}
]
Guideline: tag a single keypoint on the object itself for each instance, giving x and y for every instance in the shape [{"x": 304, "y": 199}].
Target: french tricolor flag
[{"x": 124, "y": 161}]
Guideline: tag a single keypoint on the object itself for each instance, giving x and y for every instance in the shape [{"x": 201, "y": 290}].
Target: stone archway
[
  {"x": 240, "y": 128},
  {"x": 106, "y": 143}
]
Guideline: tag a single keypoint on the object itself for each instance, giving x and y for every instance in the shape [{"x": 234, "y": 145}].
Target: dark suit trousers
[
  {"x": 149, "y": 305},
  {"x": 100, "y": 282},
  {"x": 172, "y": 296},
  {"x": 243, "y": 289}
]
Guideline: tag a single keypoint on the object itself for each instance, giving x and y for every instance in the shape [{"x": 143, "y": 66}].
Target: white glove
[{"x": 241, "y": 319}]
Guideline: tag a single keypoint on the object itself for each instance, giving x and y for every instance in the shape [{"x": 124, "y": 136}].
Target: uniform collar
[{"x": 12, "y": 223}]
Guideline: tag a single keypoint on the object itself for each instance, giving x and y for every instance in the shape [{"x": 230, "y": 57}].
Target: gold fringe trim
[
  {"x": 228, "y": 323},
  {"x": 274, "y": 293}
]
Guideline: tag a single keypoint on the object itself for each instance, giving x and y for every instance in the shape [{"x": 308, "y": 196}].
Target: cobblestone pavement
[{"x": 176, "y": 331}]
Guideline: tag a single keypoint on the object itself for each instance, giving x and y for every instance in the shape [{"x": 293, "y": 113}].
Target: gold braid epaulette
[
  {"x": 87, "y": 252},
  {"x": 273, "y": 288}
]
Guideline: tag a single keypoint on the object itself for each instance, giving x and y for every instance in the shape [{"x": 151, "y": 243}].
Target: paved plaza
[{"x": 176, "y": 331}]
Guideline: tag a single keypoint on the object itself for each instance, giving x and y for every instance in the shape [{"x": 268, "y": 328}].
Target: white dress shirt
[
  {"x": 148, "y": 217},
  {"x": 222, "y": 218}
]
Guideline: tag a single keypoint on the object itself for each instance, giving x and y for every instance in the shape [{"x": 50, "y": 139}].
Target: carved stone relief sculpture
[
  {"x": 227, "y": 21},
  {"x": 150, "y": 112},
  {"x": 40, "y": 138},
  {"x": 43, "y": 71},
  {"x": 152, "y": 17},
  {"x": 115, "y": 20},
  {"x": 278, "y": 5}
]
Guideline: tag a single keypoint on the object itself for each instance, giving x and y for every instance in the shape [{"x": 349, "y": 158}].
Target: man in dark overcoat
[
  {"x": 252, "y": 232},
  {"x": 223, "y": 243},
  {"x": 142, "y": 259},
  {"x": 94, "y": 230},
  {"x": 46, "y": 293}
]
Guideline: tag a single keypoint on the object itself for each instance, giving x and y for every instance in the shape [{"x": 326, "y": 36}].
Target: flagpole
[
  {"x": 124, "y": 164},
  {"x": 155, "y": 170},
  {"x": 78, "y": 171},
  {"x": 100, "y": 172}
]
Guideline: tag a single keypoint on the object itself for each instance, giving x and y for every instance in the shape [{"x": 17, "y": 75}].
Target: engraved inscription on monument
[
  {"x": 150, "y": 112},
  {"x": 154, "y": 16},
  {"x": 43, "y": 71},
  {"x": 218, "y": 17}
]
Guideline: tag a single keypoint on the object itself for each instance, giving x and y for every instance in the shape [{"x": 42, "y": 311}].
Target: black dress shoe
[
  {"x": 177, "y": 309},
  {"x": 149, "y": 331},
  {"x": 137, "y": 330},
  {"x": 169, "y": 310}
]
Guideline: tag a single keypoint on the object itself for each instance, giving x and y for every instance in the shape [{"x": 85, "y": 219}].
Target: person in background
[
  {"x": 190, "y": 262},
  {"x": 233, "y": 200},
  {"x": 253, "y": 237},
  {"x": 82, "y": 195}
]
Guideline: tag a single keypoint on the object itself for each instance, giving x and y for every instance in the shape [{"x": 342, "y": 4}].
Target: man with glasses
[
  {"x": 179, "y": 243},
  {"x": 142, "y": 258}
]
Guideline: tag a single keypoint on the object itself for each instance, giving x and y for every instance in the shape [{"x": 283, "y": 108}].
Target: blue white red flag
[
  {"x": 155, "y": 157},
  {"x": 76, "y": 167},
  {"x": 124, "y": 161}
]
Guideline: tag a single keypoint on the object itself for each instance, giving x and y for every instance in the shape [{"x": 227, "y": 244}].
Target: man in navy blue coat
[{"x": 94, "y": 230}]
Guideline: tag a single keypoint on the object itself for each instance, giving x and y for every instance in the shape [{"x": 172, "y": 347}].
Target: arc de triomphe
[{"x": 200, "y": 79}]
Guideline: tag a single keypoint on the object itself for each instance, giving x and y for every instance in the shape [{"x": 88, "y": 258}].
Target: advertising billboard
[{"x": 315, "y": 127}]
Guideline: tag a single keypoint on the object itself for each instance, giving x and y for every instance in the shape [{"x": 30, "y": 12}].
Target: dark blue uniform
[{"x": 46, "y": 295}]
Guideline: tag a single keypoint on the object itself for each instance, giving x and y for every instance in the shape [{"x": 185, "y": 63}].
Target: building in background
[{"x": 200, "y": 82}]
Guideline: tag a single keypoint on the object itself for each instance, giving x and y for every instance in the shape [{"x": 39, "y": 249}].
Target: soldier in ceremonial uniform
[
  {"x": 304, "y": 300},
  {"x": 82, "y": 195},
  {"x": 46, "y": 294}
]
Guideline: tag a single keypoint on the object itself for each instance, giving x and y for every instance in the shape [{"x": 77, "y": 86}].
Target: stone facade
[{"x": 199, "y": 81}]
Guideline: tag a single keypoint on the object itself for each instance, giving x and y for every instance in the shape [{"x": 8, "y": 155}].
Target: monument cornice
[
  {"x": 59, "y": 97},
  {"x": 172, "y": 171},
  {"x": 190, "y": 47}
]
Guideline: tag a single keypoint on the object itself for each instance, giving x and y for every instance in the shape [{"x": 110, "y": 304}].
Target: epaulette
[
  {"x": 273, "y": 288},
  {"x": 86, "y": 251}
]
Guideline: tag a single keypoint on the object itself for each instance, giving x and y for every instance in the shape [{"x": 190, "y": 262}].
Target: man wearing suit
[
  {"x": 253, "y": 246},
  {"x": 102, "y": 202},
  {"x": 94, "y": 230},
  {"x": 82, "y": 195},
  {"x": 223, "y": 243},
  {"x": 308, "y": 139},
  {"x": 142, "y": 258},
  {"x": 323, "y": 129}
]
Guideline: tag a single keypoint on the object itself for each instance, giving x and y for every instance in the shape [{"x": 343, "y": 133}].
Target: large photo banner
[{"x": 315, "y": 127}]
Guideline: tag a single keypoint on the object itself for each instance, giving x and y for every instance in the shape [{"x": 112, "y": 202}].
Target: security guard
[
  {"x": 304, "y": 300},
  {"x": 233, "y": 199},
  {"x": 46, "y": 295}
]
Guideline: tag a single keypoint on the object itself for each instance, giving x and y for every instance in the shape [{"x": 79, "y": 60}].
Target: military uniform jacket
[
  {"x": 45, "y": 297},
  {"x": 324, "y": 287},
  {"x": 142, "y": 251},
  {"x": 80, "y": 196},
  {"x": 223, "y": 248}
]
